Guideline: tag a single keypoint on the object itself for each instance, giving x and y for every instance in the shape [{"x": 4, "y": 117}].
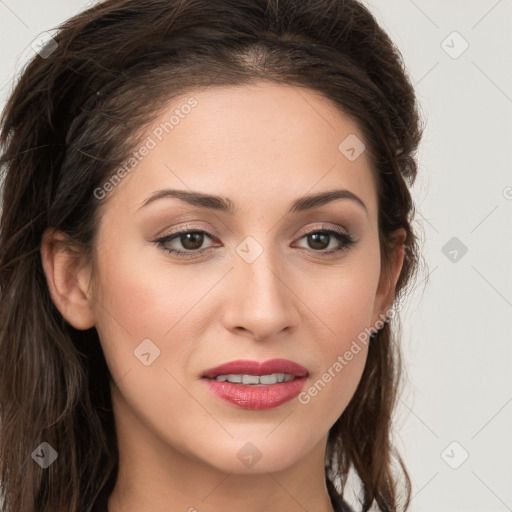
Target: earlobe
[{"x": 68, "y": 280}]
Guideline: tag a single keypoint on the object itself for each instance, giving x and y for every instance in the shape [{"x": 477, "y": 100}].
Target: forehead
[{"x": 264, "y": 140}]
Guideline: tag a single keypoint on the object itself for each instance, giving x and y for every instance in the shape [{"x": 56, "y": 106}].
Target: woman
[{"x": 206, "y": 222}]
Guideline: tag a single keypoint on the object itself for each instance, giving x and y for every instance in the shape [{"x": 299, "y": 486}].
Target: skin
[{"x": 263, "y": 146}]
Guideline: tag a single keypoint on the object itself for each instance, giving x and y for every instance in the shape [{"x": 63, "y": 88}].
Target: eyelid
[
  {"x": 323, "y": 227},
  {"x": 187, "y": 227},
  {"x": 344, "y": 236},
  {"x": 211, "y": 231}
]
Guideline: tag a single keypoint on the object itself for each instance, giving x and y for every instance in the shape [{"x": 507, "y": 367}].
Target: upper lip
[{"x": 246, "y": 367}]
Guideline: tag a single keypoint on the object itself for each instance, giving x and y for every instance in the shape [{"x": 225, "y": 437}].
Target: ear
[
  {"x": 389, "y": 277},
  {"x": 68, "y": 279}
]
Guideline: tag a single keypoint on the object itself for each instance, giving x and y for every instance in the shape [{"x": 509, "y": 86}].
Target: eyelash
[{"x": 345, "y": 238}]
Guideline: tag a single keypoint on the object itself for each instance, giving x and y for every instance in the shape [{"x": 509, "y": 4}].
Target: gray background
[{"x": 457, "y": 328}]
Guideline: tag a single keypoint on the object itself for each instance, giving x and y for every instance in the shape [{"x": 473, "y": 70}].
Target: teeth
[
  {"x": 270, "y": 379},
  {"x": 273, "y": 378},
  {"x": 250, "y": 379}
]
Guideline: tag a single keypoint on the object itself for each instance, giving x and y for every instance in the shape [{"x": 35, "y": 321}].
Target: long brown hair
[{"x": 74, "y": 115}]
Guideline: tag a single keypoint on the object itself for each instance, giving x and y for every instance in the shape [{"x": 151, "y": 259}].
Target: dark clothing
[{"x": 338, "y": 503}]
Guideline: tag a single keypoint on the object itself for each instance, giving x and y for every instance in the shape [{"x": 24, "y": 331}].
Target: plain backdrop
[{"x": 454, "y": 422}]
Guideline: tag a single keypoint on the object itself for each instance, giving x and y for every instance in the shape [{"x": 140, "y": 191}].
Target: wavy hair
[{"x": 71, "y": 119}]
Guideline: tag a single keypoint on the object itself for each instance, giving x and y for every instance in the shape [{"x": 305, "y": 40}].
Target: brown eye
[
  {"x": 320, "y": 240},
  {"x": 192, "y": 241},
  {"x": 186, "y": 242}
]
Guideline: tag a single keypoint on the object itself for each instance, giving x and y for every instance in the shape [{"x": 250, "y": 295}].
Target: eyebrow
[{"x": 227, "y": 205}]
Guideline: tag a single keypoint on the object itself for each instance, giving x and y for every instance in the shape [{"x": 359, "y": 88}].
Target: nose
[{"x": 262, "y": 303}]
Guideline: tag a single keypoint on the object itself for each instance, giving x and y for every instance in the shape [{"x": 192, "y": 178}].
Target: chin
[{"x": 255, "y": 454}]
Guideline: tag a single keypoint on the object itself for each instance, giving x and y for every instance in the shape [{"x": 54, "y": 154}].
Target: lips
[
  {"x": 245, "y": 367},
  {"x": 254, "y": 385}
]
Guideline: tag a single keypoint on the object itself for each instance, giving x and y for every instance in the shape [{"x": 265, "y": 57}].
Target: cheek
[
  {"x": 343, "y": 354},
  {"x": 343, "y": 301},
  {"x": 131, "y": 306},
  {"x": 143, "y": 297},
  {"x": 344, "y": 305},
  {"x": 146, "y": 338}
]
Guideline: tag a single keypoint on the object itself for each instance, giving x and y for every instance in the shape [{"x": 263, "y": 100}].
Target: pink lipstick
[{"x": 256, "y": 385}]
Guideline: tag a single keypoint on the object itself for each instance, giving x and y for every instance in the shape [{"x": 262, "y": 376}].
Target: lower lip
[{"x": 256, "y": 397}]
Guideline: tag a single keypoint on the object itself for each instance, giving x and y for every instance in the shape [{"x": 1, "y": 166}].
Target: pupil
[
  {"x": 195, "y": 238},
  {"x": 317, "y": 242}
]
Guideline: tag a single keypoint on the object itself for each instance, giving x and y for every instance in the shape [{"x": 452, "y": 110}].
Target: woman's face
[{"x": 254, "y": 284}]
